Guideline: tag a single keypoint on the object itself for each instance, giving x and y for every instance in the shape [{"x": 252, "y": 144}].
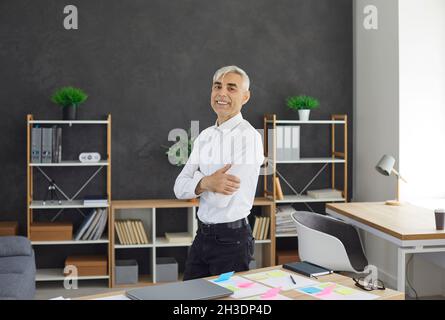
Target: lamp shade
[{"x": 385, "y": 165}]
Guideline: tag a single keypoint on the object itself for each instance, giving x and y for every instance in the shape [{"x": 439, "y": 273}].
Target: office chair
[{"x": 329, "y": 242}]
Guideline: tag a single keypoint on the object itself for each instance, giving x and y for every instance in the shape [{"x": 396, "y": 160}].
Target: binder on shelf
[
  {"x": 46, "y": 145},
  {"x": 255, "y": 227},
  {"x": 118, "y": 232},
  {"x": 58, "y": 155},
  {"x": 90, "y": 229},
  {"x": 266, "y": 229},
  {"x": 53, "y": 144},
  {"x": 85, "y": 224},
  {"x": 140, "y": 227},
  {"x": 36, "y": 145}
]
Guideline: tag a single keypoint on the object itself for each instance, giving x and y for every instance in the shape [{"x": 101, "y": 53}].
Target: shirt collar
[{"x": 231, "y": 123}]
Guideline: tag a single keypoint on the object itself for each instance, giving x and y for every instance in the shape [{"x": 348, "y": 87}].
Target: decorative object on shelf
[
  {"x": 51, "y": 192},
  {"x": 166, "y": 269},
  {"x": 89, "y": 157},
  {"x": 304, "y": 104},
  {"x": 278, "y": 190},
  {"x": 88, "y": 265},
  {"x": 51, "y": 231},
  {"x": 126, "y": 271},
  {"x": 69, "y": 98},
  {"x": 328, "y": 193},
  {"x": 386, "y": 167}
]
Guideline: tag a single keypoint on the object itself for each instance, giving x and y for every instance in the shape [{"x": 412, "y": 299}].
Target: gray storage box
[
  {"x": 166, "y": 270},
  {"x": 126, "y": 271}
]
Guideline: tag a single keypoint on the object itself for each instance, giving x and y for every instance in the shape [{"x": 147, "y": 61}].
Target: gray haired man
[{"x": 223, "y": 170}]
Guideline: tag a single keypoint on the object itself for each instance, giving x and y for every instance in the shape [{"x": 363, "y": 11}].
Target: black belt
[{"x": 229, "y": 225}]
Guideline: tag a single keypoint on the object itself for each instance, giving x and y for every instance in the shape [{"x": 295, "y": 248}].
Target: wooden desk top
[
  {"x": 171, "y": 203},
  {"x": 387, "y": 294},
  {"x": 405, "y": 222}
]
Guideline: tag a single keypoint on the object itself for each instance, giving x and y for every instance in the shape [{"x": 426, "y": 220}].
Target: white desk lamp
[{"x": 386, "y": 167}]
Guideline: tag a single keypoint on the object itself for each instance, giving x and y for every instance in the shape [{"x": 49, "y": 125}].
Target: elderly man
[{"x": 223, "y": 171}]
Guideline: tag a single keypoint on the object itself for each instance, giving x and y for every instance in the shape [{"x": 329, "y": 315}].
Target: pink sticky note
[
  {"x": 271, "y": 293},
  {"x": 326, "y": 291},
  {"x": 245, "y": 284}
]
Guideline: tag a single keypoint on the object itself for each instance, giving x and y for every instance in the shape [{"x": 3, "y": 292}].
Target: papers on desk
[
  {"x": 333, "y": 291},
  {"x": 242, "y": 287},
  {"x": 280, "y": 278}
]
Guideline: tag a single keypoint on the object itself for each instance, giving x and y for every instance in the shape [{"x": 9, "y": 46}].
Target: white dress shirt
[{"x": 234, "y": 142}]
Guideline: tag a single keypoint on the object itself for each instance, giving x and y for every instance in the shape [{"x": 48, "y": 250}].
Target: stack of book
[
  {"x": 130, "y": 232},
  {"x": 93, "y": 226},
  {"x": 325, "y": 194},
  {"x": 178, "y": 237},
  {"x": 284, "y": 223},
  {"x": 95, "y": 200},
  {"x": 46, "y": 145},
  {"x": 261, "y": 228}
]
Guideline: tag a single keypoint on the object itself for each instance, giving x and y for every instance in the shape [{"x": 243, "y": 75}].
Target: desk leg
[{"x": 401, "y": 269}]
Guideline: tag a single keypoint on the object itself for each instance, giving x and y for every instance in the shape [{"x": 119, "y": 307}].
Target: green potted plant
[
  {"x": 304, "y": 104},
  {"x": 69, "y": 98}
]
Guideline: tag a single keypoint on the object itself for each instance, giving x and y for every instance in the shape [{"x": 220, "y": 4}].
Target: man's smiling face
[{"x": 228, "y": 96}]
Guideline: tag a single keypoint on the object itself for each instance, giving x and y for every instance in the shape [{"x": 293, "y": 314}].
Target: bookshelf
[
  {"x": 149, "y": 211},
  {"x": 33, "y": 205},
  {"x": 338, "y": 159}
]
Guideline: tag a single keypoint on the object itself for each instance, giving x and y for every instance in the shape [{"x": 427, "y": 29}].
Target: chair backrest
[{"x": 329, "y": 242}]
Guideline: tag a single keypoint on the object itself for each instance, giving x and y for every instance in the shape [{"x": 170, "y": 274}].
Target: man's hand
[{"x": 219, "y": 182}]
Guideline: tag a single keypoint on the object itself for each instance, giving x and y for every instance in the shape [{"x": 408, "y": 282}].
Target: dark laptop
[{"x": 197, "y": 289}]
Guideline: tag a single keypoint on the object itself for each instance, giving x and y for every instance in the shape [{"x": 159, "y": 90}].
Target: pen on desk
[{"x": 292, "y": 278}]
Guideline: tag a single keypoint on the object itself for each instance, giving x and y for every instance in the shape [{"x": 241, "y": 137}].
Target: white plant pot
[{"x": 304, "y": 114}]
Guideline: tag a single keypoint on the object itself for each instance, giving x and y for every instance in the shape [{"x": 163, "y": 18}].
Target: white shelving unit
[
  {"x": 306, "y": 199},
  {"x": 56, "y": 274},
  {"x": 149, "y": 211},
  {"x": 73, "y": 163},
  {"x": 72, "y": 242},
  {"x": 311, "y": 160},
  {"x": 65, "y": 204},
  {"x": 339, "y": 158}
]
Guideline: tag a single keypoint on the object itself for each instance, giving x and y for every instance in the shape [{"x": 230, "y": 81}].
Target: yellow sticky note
[
  {"x": 344, "y": 291},
  {"x": 276, "y": 274}
]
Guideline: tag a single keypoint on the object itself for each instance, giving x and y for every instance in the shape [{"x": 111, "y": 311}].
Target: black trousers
[{"x": 218, "y": 250}]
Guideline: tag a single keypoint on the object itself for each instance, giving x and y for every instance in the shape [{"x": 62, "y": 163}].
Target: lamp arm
[{"x": 398, "y": 175}]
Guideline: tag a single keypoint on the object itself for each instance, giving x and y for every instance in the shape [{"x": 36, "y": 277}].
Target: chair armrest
[{"x": 15, "y": 246}]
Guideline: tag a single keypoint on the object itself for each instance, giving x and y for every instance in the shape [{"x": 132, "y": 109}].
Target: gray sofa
[{"x": 17, "y": 268}]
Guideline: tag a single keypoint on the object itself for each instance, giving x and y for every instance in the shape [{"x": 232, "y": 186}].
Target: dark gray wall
[{"x": 149, "y": 64}]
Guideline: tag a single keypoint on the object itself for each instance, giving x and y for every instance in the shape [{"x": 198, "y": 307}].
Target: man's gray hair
[{"x": 229, "y": 69}]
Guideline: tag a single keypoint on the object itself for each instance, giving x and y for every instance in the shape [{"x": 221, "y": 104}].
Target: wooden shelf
[
  {"x": 133, "y": 246},
  {"x": 144, "y": 280},
  {"x": 281, "y": 122},
  {"x": 289, "y": 235},
  {"x": 313, "y": 160},
  {"x": 305, "y": 198},
  {"x": 163, "y": 242},
  {"x": 57, "y": 275},
  {"x": 263, "y": 241},
  {"x": 72, "y": 163},
  {"x": 70, "y": 242},
  {"x": 64, "y": 205},
  {"x": 68, "y": 122}
]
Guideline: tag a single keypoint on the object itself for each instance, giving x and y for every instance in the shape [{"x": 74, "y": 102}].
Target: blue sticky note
[
  {"x": 225, "y": 276},
  {"x": 311, "y": 290}
]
